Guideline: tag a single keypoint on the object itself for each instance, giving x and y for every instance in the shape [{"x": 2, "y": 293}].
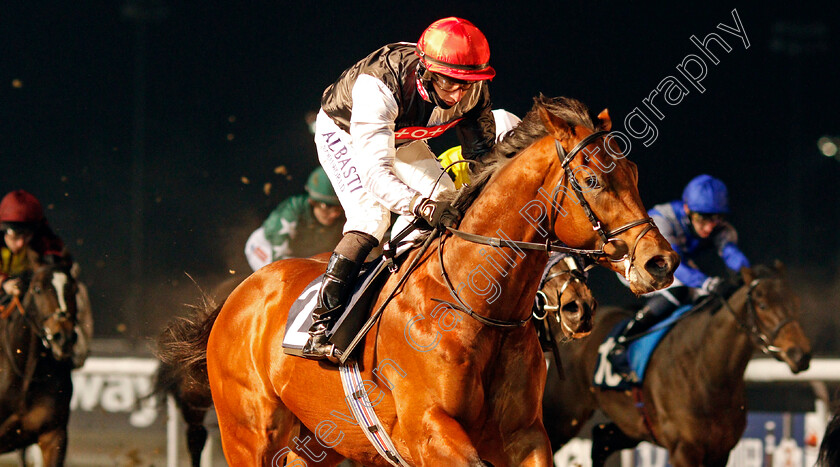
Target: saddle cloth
[
  {"x": 638, "y": 353},
  {"x": 371, "y": 279}
]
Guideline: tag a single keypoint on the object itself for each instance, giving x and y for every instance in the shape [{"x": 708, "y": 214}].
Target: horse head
[
  {"x": 52, "y": 296},
  {"x": 771, "y": 316},
  {"x": 595, "y": 192},
  {"x": 566, "y": 299}
]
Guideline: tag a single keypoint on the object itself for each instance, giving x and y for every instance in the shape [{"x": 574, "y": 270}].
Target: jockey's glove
[
  {"x": 439, "y": 214},
  {"x": 714, "y": 285}
]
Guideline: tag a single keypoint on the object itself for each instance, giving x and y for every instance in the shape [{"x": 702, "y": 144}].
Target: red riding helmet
[
  {"x": 20, "y": 207},
  {"x": 456, "y": 48}
]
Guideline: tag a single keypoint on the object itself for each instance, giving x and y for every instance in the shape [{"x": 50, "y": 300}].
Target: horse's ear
[
  {"x": 780, "y": 267},
  {"x": 604, "y": 122},
  {"x": 555, "y": 125},
  {"x": 748, "y": 275}
]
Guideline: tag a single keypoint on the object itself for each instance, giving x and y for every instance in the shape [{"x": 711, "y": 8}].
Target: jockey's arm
[
  {"x": 669, "y": 228},
  {"x": 726, "y": 243},
  {"x": 689, "y": 276},
  {"x": 372, "y": 130},
  {"x": 477, "y": 131}
]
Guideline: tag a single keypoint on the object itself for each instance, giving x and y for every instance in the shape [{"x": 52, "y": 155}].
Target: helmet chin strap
[{"x": 424, "y": 81}]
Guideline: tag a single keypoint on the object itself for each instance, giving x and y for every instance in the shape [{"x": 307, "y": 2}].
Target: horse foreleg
[
  {"x": 53, "y": 446},
  {"x": 687, "y": 455},
  {"x": 607, "y": 438},
  {"x": 528, "y": 447},
  {"x": 441, "y": 440}
]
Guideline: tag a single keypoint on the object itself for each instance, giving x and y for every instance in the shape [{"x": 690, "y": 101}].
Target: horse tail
[
  {"x": 830, "y": 447},
  {"x": 182, "y": 350}
]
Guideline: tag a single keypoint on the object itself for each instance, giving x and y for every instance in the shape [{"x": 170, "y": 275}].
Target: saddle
[
  {"x": 638, "y": 352},
  {"x": 371, "y": 279}
]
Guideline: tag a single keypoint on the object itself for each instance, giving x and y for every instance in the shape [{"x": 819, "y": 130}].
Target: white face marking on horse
[{"x": 59, "y": 280}]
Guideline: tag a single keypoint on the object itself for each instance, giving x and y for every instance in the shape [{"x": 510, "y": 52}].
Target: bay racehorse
[
  {"x": 37, "y": 335},
  {"x": 692, "y": 398},
  {"x": 564, "y": 301},
  {"x": 449, "y": 390}
]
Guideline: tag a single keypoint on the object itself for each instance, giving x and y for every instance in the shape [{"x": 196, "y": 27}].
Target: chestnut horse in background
[
  {"x": 693, "y": 390},
  {"x": 473, "y": 392},
  {"x": 36, "y": 344}
]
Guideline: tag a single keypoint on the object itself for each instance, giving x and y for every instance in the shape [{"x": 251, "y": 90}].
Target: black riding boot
[
  {"x": 338, "y": 282},
  {"x": 657, "y": 308},
  {"x": 342, "y": 271}
]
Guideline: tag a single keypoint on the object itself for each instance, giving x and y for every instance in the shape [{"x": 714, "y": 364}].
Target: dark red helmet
[
  {"x": 21, "y": 207},
  {"x": 455, "y": 47}
]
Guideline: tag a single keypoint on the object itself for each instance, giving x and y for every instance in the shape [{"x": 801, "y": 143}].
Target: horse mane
[
  {"x": 524, "y": 134},
  {"x": 528, "y": 131}
]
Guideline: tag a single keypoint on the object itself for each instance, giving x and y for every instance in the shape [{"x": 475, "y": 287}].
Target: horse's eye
[
  {"x": 36, "y": 289},
  {"x": 592, "y": 182},
  {"x": 762, "y": 306}
]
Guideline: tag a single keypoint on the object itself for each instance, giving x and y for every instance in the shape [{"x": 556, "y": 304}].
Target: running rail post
[{"x": 171, "y": 432}]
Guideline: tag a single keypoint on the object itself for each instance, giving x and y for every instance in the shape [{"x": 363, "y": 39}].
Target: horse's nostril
[
  {"x": 801, "y": 359},
  {"x": 657, "y": 266}
]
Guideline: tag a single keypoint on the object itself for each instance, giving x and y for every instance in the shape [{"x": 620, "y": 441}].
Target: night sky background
[{"x": 226, "y": 88}]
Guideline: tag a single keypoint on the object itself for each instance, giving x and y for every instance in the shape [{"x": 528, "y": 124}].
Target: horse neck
[
  {"x": 496, "y": 213},
  {"x": 17, "y": 343},
  {"x": 723, "y": 348}
]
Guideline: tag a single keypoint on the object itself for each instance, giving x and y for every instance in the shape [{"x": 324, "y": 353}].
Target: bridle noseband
[{"x": 575, "y": 274}]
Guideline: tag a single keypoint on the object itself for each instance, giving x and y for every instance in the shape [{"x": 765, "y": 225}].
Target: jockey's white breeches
[{"x": 414, "y": 164}]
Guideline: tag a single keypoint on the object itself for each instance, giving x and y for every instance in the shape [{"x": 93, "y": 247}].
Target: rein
[
  {"x": 607, "y": 237},
  {"x": 751, "y": 326},
  {"x": 8, "y": 309},
  {"x": 463, "y": 307}
]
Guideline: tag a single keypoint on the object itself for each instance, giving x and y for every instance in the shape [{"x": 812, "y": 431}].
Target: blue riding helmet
[{"x": 706, "y": 195}]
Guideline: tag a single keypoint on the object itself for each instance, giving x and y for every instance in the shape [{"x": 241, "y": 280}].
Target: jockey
[
  {"x": 301, "y": 226},
  {"x": 28, "y": 239},
  {"x": 370, "y": 136},
  {"x": 505, "y": 121},
  {"x": 692, "y": 225}
]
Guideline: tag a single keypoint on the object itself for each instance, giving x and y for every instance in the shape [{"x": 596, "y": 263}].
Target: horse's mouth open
[{"x": 582, "y": 330}]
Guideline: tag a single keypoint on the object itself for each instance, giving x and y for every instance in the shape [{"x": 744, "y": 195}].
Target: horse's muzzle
[{"x": 797, "y": 359}]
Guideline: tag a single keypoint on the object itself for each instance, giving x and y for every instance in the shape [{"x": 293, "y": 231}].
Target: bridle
[
  {"x": 752, "y": 324},
  {"x": 44, "y": 334},
  {"x": 621, "y": 253},
  {"x": 574, "y": 273},
  {"x": 605, "y": 235}
]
